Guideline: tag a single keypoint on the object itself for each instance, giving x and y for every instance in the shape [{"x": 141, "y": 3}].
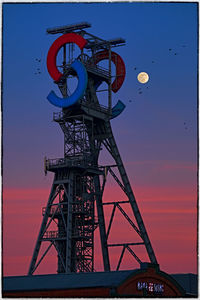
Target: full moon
[{"x": 143, "y": 77}]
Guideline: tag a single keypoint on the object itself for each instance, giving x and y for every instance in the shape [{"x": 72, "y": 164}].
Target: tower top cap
[{"x": 68, "y": 28}]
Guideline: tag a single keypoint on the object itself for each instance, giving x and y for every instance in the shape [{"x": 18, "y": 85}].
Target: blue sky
[{"x": 150, "y": 30}]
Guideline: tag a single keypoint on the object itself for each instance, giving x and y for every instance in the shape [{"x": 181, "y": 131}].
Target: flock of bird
[
  {"x": 172, "y": 51},
  {"x": 38, "y": 68},
  {"x": 140, "y": 90},
  {"x": 185, "y": 126}
]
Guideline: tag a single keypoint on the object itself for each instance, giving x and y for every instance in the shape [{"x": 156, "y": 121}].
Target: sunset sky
[{"x": 156, "y": 134}]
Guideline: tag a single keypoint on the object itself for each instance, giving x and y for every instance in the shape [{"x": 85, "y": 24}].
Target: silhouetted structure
[{"x": 79, "y": 180}]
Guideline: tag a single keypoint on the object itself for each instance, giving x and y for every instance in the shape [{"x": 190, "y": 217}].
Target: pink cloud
[
  {"x": 170, "y": 217},
  {"x": 164, "y": 165}
]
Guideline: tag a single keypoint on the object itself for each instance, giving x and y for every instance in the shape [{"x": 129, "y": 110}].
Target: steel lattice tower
[{"x": 79, "y": 180}]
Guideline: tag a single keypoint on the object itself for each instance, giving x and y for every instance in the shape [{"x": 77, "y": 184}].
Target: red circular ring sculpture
[
  {"x": 55, "y": 47},
  {"x": 119, "y": 64}
]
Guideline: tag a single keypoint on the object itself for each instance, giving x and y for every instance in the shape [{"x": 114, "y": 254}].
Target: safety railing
[
  {"x": 97, "y": 70},
  {"x": 54, "y": 235},
  {"x": 95, "y": 106},
  {"x": 92, "y": 67},
  {"x": 54, "y": 210},
  {"x": 60, "y": 116},
  {"x": 74, "y": 161}
]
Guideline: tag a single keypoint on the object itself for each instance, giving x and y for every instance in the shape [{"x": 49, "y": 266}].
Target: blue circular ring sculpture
[{"x": 81, "y": 72}]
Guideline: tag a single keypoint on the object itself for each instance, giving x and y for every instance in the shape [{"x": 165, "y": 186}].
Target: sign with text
[{"x": 150, "y": 287}]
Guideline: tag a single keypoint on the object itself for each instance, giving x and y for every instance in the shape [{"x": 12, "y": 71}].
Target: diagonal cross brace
[
  {"x": 128, "y": 219},
  {"x": 111, "y": 219},
  {"x": 134, "y": 255},
  {"x": 35, "y": 267},
  {"x": 117, "y": 180},
  {"x": 116, "y": 204}
]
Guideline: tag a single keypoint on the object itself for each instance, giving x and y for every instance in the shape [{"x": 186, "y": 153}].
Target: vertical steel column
[
  {"x": 69, "y": 224},
  {"x": 98, "y": 193},
  {"x": 64, "y": 70},
  {"x": 42, "y": 229},
  {"x": 109, "y": 84},
  {"x": 101, "y": 221}
]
